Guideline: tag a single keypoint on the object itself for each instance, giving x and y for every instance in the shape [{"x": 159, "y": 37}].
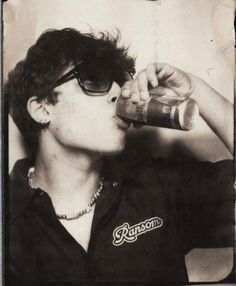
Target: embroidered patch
[{"x": 128, "y": 233}]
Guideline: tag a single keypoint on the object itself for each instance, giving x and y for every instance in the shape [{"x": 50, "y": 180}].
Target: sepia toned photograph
[{"x": 118, "y": 142}]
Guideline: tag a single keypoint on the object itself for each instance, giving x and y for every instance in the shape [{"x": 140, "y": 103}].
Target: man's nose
[{"x": 114, "y": 93}]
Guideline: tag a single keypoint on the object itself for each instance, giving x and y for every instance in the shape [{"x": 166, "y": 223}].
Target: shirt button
[{"x": 115, "y": 184}]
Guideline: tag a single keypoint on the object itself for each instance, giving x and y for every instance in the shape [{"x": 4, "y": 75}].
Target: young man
[{"x": 77, "y": 213}]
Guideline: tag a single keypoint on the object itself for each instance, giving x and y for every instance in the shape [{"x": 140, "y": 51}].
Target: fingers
[
  {"x": 137, "y": 90},
  {"x": 164, "y": 71},
  {"x": 142, "y": 81},
  {"x": 126, "y": 89},
  {"x": 175, "y": 79},
  {"x": 168, "y": 76},
  {"x": 151, "y": 74},
  {"x": 130, "y": 90},
  {"x": 166, "y": 81}
]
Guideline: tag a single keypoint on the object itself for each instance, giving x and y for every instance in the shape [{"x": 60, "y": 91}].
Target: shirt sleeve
[{"x": 203, "y": 195}]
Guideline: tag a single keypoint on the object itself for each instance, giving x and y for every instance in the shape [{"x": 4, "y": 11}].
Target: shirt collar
[{"x": 20, "y": 193}]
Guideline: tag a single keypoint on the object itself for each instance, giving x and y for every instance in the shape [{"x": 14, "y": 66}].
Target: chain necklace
[{"x": 73, "y": 215}]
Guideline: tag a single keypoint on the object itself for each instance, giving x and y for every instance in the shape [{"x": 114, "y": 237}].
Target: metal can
[{"x": 175, "y": 114}]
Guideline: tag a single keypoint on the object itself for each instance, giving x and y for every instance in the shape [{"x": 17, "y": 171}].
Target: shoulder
[
  {"x": 185, "y": 168},
  {"x": 18, "y": 192},
  {"x": 174, "y": 173}
]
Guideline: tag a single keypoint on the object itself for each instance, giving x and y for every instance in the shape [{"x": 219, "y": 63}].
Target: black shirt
[{"x": 149, "y": 215}]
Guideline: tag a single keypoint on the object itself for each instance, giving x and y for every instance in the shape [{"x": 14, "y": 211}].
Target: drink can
[{"x": 175, "y": 114}]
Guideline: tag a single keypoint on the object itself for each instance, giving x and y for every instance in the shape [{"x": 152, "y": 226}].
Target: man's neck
[{"x": 69, "y": 176}]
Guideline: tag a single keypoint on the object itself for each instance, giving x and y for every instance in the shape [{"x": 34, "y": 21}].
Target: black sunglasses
[{"x": 92, "y": 81}]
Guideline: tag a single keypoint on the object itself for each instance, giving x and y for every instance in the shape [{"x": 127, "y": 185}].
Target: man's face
[{"x": 87, "y": 122}]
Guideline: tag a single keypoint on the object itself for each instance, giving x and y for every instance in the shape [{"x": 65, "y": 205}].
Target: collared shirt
[{"x": 149, "y": 215}]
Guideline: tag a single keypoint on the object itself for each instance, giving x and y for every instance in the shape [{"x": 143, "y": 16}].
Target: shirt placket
[{"x": 102, "y": 225}]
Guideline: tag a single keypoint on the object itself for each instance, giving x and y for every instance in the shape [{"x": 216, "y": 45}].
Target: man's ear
[{"x": 39, "y": 111}]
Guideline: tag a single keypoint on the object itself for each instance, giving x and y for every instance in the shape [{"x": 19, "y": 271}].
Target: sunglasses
[{"x": 94, "y": 82}]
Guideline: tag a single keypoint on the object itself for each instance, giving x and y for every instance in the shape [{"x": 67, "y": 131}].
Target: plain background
[{"x": 194, "y": 35}]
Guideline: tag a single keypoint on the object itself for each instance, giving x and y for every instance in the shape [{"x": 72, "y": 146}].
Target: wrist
[{"x": 196, "y": 87}]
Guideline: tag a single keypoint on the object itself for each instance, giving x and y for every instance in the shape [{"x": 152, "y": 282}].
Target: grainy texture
[{"x": 196, "y": 36}]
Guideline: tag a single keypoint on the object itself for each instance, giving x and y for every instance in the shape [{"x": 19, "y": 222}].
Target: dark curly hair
[{"x": 45, "y": 62}]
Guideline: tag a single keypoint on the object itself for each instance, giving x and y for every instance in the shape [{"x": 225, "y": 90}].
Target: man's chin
[{"x": 114, "y": 151}]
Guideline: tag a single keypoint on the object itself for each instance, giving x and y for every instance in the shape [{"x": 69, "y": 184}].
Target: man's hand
[
  {"x": 171, "y": 84},
  {"x": 161, "y": 80}
]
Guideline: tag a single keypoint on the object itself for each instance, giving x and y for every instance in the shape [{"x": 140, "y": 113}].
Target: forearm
[{"x": 216, "y": 110}]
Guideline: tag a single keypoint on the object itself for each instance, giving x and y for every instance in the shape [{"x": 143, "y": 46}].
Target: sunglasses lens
[
  {"x": 94, "y": 80},
  {"x": 96, "y": 85}
]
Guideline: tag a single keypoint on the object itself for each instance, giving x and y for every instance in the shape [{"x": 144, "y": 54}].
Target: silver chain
[{"x": 73, "y": 215}]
